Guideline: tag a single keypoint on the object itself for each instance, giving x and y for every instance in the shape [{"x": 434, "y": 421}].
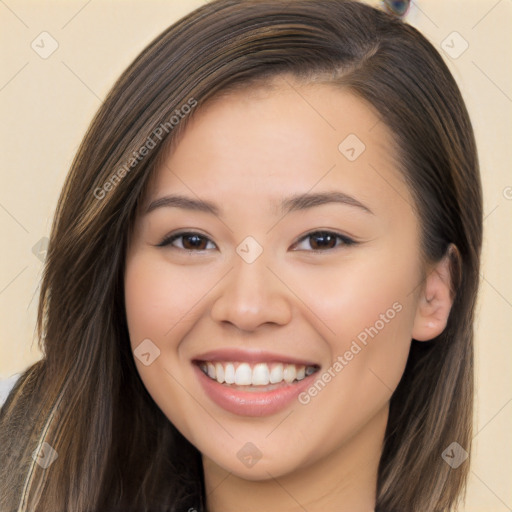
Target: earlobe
[{"x": 435, "y": 300}]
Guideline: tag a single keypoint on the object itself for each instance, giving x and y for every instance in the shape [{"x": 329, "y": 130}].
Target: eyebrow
[{"x": 296, "y": 202}]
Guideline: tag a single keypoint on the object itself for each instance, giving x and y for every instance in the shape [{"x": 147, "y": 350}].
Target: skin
[{"x": 245, "y": 152}]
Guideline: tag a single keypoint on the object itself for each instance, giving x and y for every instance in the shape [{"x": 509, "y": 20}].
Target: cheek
[
  {"x": 367, "y": 309},
  {"x": 351, "y": 296},
  {"x": 160, "y": 298},
  {"x": 159, "y": 303}
]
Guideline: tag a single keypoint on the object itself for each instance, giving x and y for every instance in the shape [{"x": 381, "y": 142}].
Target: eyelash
[{"x": 345, "y": 241}]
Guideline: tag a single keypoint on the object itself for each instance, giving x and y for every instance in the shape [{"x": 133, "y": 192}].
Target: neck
[{"x": 345, "y": 480}]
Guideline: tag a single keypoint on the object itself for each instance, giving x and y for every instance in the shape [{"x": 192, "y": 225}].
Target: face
[{"x": 277, "y": 248}]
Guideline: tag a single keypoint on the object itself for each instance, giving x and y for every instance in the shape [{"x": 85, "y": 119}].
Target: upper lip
[{"x": 249, "y": 356}]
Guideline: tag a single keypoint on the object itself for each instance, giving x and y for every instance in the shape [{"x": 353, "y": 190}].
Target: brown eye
[
  {"x": 323, "y": 240},
  {"x": 189, "y": 242}
]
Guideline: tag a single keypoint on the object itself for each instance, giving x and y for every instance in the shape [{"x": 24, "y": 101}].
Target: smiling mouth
[{"x": 258, "y": 376}]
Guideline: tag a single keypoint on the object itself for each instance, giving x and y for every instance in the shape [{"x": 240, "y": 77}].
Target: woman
[{"x": 261, "y": 278}]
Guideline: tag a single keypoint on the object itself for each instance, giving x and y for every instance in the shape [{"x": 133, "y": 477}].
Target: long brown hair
[{"x": 116, "y": 449}]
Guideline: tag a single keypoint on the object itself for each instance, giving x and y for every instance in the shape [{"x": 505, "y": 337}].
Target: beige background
[{"x": 46, "y": 105}]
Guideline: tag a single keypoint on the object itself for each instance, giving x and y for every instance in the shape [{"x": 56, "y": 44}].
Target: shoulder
[{"x": 6, "y": 384}]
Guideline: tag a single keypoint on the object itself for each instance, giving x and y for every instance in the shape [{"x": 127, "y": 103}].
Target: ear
[{"x": 435, "y": 300}]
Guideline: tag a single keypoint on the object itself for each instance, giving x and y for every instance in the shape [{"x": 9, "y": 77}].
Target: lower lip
[{"x": 251, "y": 403}]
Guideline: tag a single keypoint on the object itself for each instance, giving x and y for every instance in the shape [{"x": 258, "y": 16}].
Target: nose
[{"x": 250, "y": 296}]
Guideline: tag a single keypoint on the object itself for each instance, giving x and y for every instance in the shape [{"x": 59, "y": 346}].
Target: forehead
[{"x": 289, "y": 138}]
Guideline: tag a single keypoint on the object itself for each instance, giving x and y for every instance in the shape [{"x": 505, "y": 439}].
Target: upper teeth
[{"x": 261, "y": 374}]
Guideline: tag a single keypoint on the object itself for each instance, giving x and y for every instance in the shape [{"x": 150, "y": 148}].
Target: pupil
[
  {"x": 326, "y": 240},
  {"x": 193, "y": 241}
]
